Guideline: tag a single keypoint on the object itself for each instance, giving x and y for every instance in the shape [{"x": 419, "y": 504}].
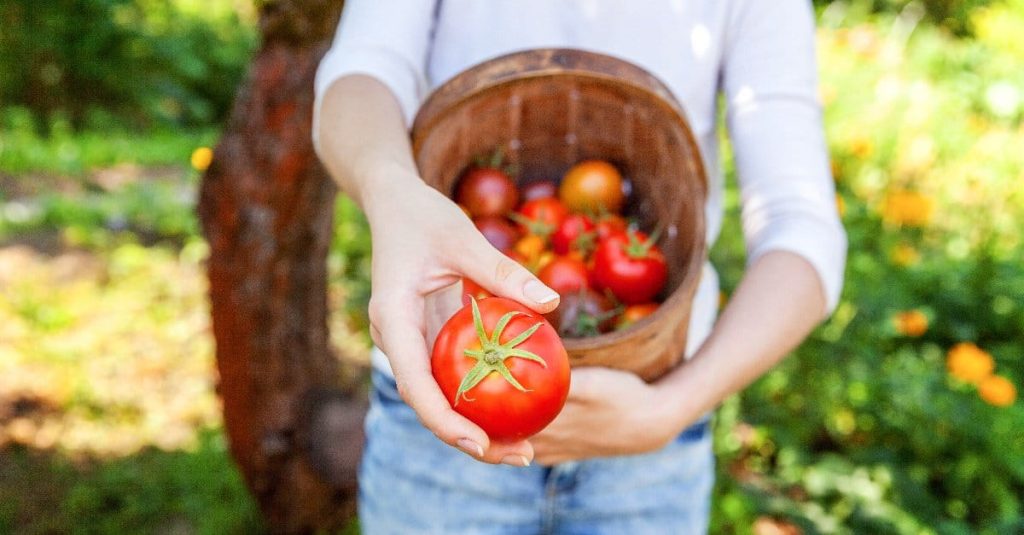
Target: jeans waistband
[{"x": 386, "y": 393}]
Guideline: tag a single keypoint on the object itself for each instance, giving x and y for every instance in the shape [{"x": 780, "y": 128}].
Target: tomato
[
  {"x": 530, "y": 247},
  {"x": 541, "y": 216},
  {"x": 565, "y": 275},
  {"x": 592, "y": 186},
  {"x": 470, "y": 289},
  {"x": 503, "y": 367},
  {"x": 582, "y": 314},
  {"x": 610, "y": 224},
  {"x": 576, "y": 233},
  {"x": 498, "y": 231},
  {"x": 631, "y": 266},
  {"x": 487, "y": 191},
  {"x": 633, "y": 314},
  {"x": 539, "y": 190}
]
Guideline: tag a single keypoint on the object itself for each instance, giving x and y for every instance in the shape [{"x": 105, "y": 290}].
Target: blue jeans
[{"x": 412, "y": 483}]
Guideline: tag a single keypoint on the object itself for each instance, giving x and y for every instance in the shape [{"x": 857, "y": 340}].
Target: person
[{"x": 624, "y": 456}]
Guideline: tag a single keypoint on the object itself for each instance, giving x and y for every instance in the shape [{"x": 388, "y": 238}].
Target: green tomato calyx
[{"x": 492, "y": 353}]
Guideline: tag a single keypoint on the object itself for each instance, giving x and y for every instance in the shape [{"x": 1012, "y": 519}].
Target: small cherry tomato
[
  {"x": 592, "y": 186},
  {"x": 609, "y": 224},
  {"x": 541, "y": 216},
  {"x": 564, "y": 274},
  {"x": 582, "y": 314},
  {"x": 487, "y": 191},
  {"x": 576, "y": 233},
  {"x": 633, "y": 314},
  {"x": 503, "y": 367},
  {"x": 631, "y": 266},
  {"x": 498, "y": 231},
  {"x": 530, "y": 247}
]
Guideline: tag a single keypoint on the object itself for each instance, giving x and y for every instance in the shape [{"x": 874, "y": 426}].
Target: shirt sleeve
[
  {"x": 385, "y": 39},
  {"x": 788, "y": 198}
]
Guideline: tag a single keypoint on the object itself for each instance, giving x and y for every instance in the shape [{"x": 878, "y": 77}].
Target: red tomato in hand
[
  {"x": 498, "y": 231},
  {"x": 470, "y": 289},
  {"x": 592, "y": 186},
  {"x": 541, "y": 216},
  {"x": 539, "y": 190},
  {"x": 565, "y": 275},
  {"x": 487, "y": 191},
  {"x": 633, "y": 314},
  {"x": 631, "y": 266},
  {"x": 513, "y": 380},
  {"x": 582, "y": 314},
  {"x": 576, "y": 233}
]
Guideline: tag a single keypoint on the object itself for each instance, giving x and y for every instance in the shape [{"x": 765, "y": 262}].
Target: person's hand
[
  {"x": 609, "y": 412},
  {"x": 423, "y": 243}
]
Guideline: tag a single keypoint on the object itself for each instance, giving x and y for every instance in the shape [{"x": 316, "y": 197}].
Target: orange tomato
[{"x": 592, "y": 186}]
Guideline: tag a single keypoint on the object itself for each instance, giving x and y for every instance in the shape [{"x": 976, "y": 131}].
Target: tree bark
[{"x": 266, "y": 206}]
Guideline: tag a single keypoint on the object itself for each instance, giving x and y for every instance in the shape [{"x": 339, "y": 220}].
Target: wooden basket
[{"x": 551, "y": 108}]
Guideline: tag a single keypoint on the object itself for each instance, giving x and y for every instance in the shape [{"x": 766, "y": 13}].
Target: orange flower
[
  {"x": 969, "y": 363},
  {"x": 905, "y": 254},
  {"x": 997, "y": 391},
  {"x": 201, "y": 158},
  {"x": 911, "y": 323},
  {"x": 840, "y": 205},
  {"x": 909, "y": 208},
  {"x": 862, "y": 147}
]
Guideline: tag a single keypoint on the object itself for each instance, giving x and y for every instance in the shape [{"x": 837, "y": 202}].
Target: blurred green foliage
[
  {"x": 136, "y": 62},
  {"x": 865, "y": 429},
  {"x": 151, "y": 491},
  {"x": 953, "y": 15}
]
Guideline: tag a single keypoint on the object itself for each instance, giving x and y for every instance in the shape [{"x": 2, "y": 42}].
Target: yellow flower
[
  {"x": 861, "y": 147},
  {"x": 909, "y": 208},
  {"x": 997, "y": 391},
  {"x": 201, "y": 158},
  {"x": 905, "y": 254},
  {"x": 840, "y": 205},
  {"x": 911, "y": 323},
  {"x": 969, "y": 363}
]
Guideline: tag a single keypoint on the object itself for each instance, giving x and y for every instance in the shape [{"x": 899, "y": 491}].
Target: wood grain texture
[{"x": 551, "y": 108}]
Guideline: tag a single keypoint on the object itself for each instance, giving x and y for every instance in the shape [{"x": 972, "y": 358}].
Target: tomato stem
[
  {"x": 492, "y": 353},
  {"x": 537, "y": 226}
]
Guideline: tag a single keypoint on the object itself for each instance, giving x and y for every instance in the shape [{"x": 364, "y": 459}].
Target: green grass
[
  {"x": 27, "y": 147},
  {"x": 152, "y": 491}
]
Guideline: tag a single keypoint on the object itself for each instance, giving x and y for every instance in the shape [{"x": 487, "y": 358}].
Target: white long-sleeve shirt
[{"x": 757, "y": 54}]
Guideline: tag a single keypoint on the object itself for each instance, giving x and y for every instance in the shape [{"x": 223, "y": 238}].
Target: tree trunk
[{"x": 266, "y": 207}]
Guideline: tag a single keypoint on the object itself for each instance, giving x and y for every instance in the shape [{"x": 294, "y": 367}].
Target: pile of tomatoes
[{"x": 575, "y": 238}]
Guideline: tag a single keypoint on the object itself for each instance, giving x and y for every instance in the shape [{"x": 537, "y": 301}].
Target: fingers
[
  {"x": 510, "y": 453},
  {"x": 503, "y": 277},
  {"x": 396, "y": 332}
]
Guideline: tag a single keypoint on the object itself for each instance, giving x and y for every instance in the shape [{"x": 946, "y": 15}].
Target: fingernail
[
  {"x": 516, "y": 460},
  {"x": 470, "y": 447},
  {"x": 539, "y": 293}
]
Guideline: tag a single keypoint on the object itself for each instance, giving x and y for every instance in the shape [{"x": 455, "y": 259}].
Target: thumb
[{"x": 504, "y": 277}]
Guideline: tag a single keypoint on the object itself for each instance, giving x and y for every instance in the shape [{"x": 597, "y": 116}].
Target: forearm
[
  {"x": 777, "y": 304},
  {"x": 363, "y": 142}
]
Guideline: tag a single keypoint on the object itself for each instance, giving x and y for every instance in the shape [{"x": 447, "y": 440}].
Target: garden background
[{"x": 899, "y": 415}]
